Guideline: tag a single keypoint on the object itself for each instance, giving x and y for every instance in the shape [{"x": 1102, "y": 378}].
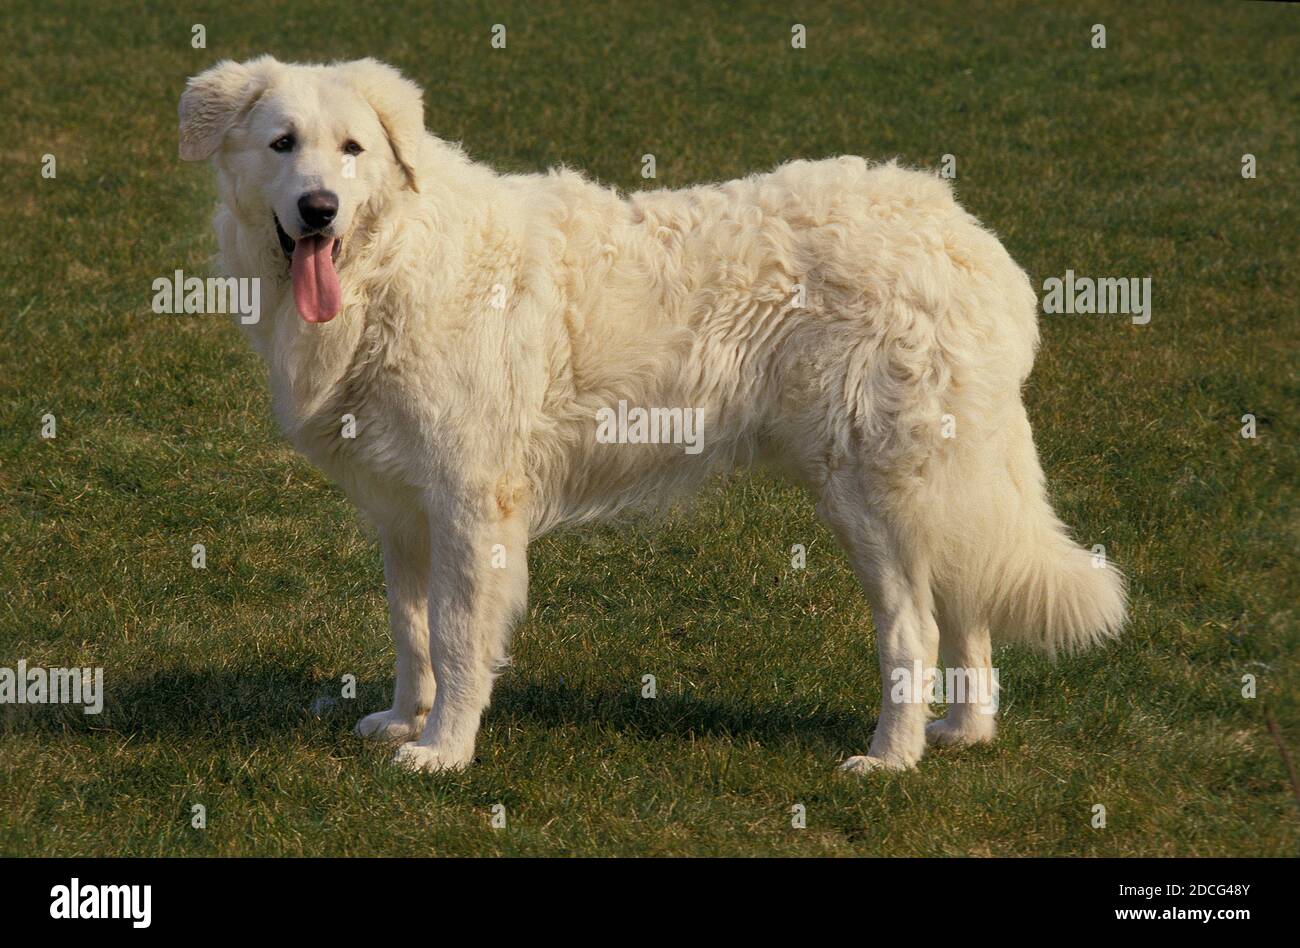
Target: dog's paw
[
  {"x": 389, "y": 726},
  {"x": 864, "y": 764},
  {"x": 947, "y": 732},
  {"x": 422, "y": 758}
]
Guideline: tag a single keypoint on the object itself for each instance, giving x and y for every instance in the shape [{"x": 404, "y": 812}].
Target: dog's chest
[{"x": 356, "y": 431}]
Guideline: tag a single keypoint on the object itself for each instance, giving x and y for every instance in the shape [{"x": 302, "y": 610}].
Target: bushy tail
[
  {"x": 1053, "y": 595},
  {"x": 1010, "y": 563}
]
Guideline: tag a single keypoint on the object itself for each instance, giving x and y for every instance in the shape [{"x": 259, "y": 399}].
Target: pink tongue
[{"x": 315, "y": 281}]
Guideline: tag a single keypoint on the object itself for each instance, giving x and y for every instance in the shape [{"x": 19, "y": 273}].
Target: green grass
[{"x": 1122, "y": 162}]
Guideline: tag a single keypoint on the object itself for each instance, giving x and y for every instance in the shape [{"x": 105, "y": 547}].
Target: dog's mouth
[
  {"x": 287, "y": 243},
  {"x": 311, "y": 259}
]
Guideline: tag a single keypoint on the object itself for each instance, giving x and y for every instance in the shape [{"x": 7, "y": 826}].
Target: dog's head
[{"x": 304, "y": 152}]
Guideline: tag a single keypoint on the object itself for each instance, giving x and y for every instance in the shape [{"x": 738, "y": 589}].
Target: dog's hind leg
[
  {"x": 406, "y": 579},
  {"x": 970, "y": 683},
  {"x": 895, "y": 576},
  {"x": 479, "y": 588}
]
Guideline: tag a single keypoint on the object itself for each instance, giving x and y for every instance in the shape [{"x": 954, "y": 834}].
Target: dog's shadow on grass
[
  {"x": 255, "y": 702},
  {"x": 560, "y": 704},
  {"x": 245, "y": 701}
]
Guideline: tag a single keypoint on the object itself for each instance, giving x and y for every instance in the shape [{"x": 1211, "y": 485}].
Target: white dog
[{"x": 849, "y": 322}]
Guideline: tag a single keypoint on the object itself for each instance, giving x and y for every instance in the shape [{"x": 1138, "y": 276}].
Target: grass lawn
[{"x": 223, "y": 684}]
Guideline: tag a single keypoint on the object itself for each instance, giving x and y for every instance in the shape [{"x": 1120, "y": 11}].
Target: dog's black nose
[{"x": 318, "y": 208}]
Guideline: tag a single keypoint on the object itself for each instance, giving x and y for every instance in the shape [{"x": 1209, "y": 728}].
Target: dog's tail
[{"x": 1009, "y": 563}]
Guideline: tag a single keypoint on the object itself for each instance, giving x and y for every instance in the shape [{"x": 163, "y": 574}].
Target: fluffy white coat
[{"x": 848, "y": 322}]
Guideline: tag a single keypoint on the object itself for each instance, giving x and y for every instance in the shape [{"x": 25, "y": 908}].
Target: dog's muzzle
[{"x": 287, "y": 243}]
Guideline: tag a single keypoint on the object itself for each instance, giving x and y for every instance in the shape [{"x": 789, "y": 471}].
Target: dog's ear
[
  {"x": 399, "y": 103},
  {"x": 214, "y": 100}
]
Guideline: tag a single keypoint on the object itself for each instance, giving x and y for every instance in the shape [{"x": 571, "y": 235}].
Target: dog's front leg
[
  {"x": 406, "y": 579},
  {"x": 479, "y": 587}
]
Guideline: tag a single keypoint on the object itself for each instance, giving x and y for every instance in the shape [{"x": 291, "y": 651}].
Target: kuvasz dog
[{"x": 445, "y": 343}]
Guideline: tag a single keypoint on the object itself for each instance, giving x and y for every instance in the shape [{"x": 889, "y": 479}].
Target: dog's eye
[
  {"x": 352, "y": 148},
  {"x": 283, "y": 143}
]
